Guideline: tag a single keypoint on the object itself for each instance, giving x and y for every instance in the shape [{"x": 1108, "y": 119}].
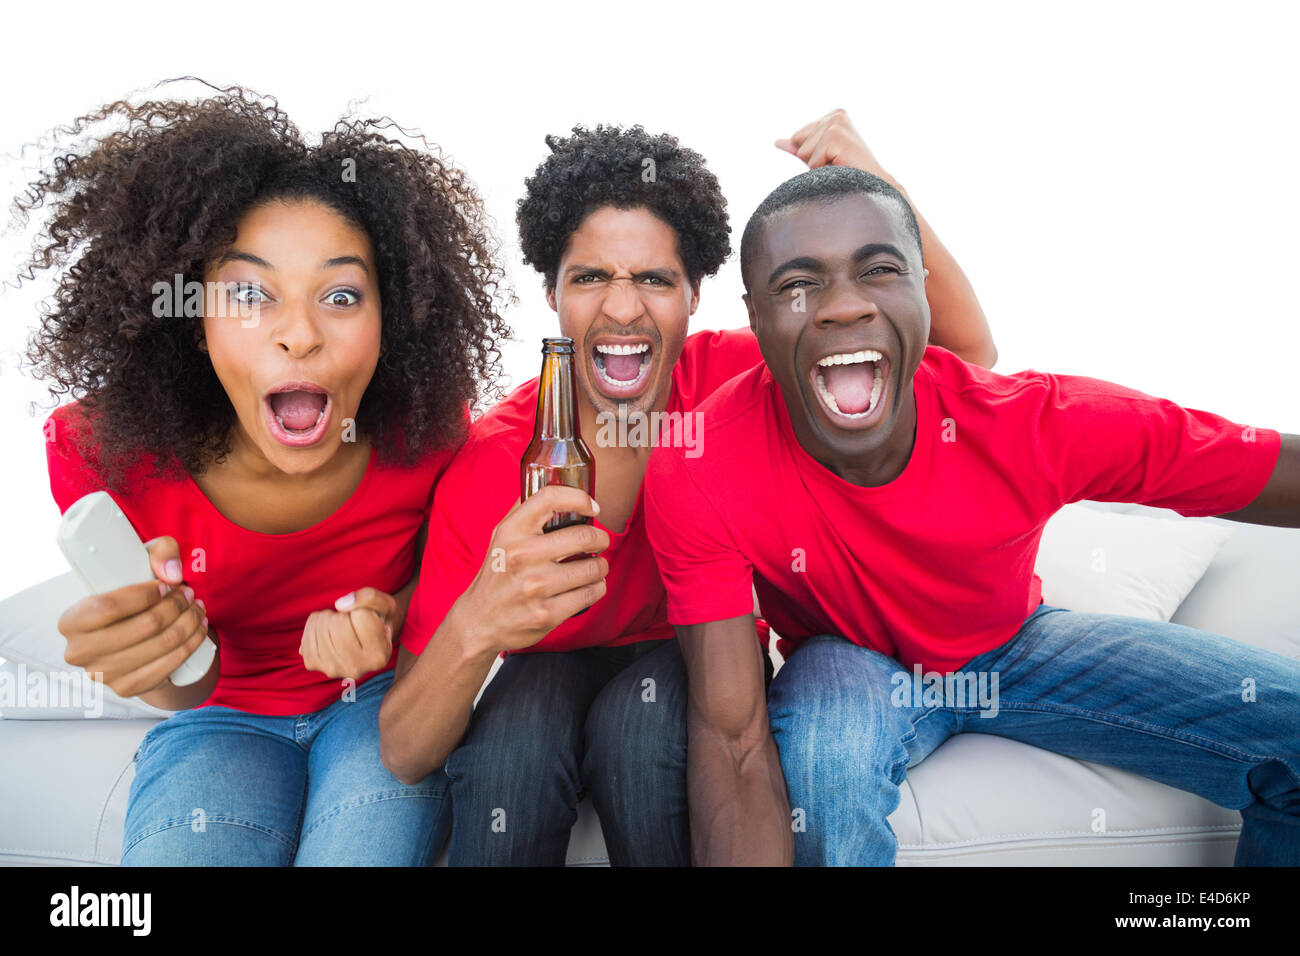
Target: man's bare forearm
[
  {"x": 739, "y": 811},
  {"x": 427, "y": 710}
]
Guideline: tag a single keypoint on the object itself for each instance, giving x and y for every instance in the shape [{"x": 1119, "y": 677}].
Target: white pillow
[
  {"x": 1112, "y": 563},
  {"x": 29, "y": 637},
  {"x": 31, "y": 693}
]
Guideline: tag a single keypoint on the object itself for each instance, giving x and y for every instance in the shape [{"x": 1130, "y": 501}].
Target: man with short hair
[
  {"x": 886, "y": 500},
  {"x": 623, "y": 226}
]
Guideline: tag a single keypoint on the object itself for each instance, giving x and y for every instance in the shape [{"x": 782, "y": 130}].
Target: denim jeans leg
[
  {"x": 1192, "y": 710},
  {"x": 635, "y": 764},
  {"x": 845, "y": 746},
  {"x": 358, "y": 813},
  {"x": 515, "y": 779},
  {"x": 216, "y": 787}
]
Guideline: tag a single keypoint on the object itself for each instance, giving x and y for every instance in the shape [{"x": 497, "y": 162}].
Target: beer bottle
[{"x": 557, "y": 454}]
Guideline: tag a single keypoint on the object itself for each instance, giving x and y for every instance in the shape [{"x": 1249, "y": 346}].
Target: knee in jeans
[
  {"x": 823, "y": 731},
  {"x": 637, "y": 721},
  {"x": 617, "y": 748}
]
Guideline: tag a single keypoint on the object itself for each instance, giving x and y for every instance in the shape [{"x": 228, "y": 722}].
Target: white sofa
[{"x": 977, "y": 800}]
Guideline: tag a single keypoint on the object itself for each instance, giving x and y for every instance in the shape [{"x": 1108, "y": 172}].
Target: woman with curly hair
[{"x": 272, "y": 347}]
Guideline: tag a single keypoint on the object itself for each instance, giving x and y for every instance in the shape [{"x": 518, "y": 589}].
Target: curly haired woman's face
[
  {"x": 296, "y": 367},
  {"x": 622, "y": 294}
]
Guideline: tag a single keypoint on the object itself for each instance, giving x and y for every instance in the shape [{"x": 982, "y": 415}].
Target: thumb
[
  {"x": 369, "y": 598},
  {"x": 165, "y": 559},
  {"x": 788, "y": 146}
]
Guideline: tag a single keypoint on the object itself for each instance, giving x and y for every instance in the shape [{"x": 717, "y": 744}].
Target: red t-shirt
[
  {"x": 937, "y": 566},
  {"x": 260, "y": 588},
  {"x": 482, "y": 484}
]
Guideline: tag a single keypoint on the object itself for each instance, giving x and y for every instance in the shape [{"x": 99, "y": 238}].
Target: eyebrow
[
  {"x": 347, "y": 261},
  {"x": 234, "y": 255},
  {"x": 815, "y": 265}
]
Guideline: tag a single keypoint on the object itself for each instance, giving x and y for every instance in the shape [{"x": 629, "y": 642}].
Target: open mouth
[
  {"x": 622, "y": 368},
  {"x": 850, "y": 387},
  {"x": 298, "y": 413}
]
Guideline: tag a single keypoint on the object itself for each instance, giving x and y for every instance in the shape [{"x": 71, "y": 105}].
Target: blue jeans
[
  {"x": 551, "y": 726},
  {"x": 1161, "y": 700},
  {"x": 220, "y": 787}
]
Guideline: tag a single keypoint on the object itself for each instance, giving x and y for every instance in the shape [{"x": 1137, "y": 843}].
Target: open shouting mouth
[
  {"x": 851, "y": 387},
  {"x": 298, "y": 413},
  {"x": 622, "y": 368}
]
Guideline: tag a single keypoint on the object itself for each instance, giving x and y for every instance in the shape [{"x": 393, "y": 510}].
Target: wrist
[{"x": 475, "y": 638}]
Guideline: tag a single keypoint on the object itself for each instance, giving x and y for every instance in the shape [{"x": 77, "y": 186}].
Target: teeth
[
  {"x": 877, "y": 386},
  {"x": 852, "y": 358},
  {"x": 623, "y": 349}
]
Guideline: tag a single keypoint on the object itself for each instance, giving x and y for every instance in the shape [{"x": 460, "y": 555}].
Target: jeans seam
[
  {"x": 1130, "y": 723},
  {"x": 176, "y": 822},
  {"x": 404, "y": 794}
]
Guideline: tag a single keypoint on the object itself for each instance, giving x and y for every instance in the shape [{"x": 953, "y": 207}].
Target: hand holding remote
[{"x": 140, "y": 625}]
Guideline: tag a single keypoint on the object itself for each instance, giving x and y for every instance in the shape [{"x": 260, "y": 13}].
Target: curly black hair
[
  {"x": 607, "y": 166},
  {"x": 159, "y": 195}
]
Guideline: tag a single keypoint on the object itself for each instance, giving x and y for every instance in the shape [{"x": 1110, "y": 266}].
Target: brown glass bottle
[{"x": 557, "y": 454}]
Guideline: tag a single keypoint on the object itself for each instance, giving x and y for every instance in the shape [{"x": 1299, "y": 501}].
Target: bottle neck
[{"x": 557, "y": 413}]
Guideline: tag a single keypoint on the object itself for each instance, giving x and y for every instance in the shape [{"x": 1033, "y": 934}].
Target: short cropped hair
[{"x": 824, "y": 184}]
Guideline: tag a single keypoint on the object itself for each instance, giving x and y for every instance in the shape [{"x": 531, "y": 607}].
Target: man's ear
[
  {"x": 695, "y": 296},
  {"x": 749, "y": 306},
  {"x": 550, "y": 298}
]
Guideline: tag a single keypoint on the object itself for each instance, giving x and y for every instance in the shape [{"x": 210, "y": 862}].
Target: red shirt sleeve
[
  {"x": 1105, "y": 442},
  {"x": 71, "y": 476},
  {"x": 706, "y": 576},
  {"x": 474, "y": 494}
]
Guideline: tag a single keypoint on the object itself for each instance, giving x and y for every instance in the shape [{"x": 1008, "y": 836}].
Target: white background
[{"x": 1119, "y": 181}]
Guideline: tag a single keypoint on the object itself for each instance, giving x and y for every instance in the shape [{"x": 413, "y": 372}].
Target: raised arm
[
  {"x": 739, "y": 811},
  {"x": 957, "y": 322},
  {"x": 1279, "y": 503}
]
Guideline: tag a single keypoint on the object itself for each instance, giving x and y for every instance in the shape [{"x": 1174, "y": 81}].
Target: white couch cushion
[
  {"x": 981, "y": 800},
  {"x": 1103, "y": 562},
  {"x": 64, "y": 789},
  {"x": 29, "y": 636}
]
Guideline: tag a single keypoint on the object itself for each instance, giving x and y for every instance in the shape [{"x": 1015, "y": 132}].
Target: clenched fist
[
  {"x": 832, "y": 141},
  {"x": 353, "y": 639}
]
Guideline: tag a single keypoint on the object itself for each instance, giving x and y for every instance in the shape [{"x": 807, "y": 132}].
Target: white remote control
[{"x": 107, "y": 554}]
